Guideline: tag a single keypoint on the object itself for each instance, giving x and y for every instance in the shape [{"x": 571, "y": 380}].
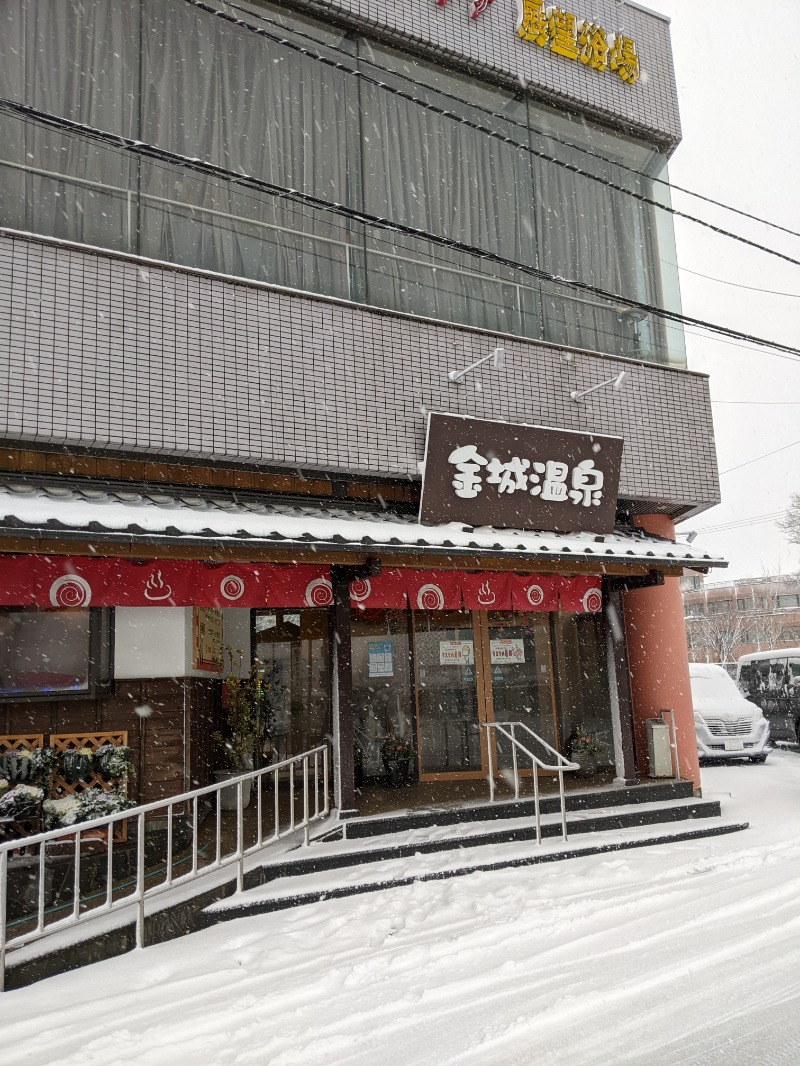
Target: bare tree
[
  {"x": 713, "y": 637},
  {"x": 790, "y": 524}
]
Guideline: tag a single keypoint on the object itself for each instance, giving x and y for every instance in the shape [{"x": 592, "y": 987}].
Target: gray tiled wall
[
  {"x": 490, "y": 44},
  {"x": 119, "y": 354}
]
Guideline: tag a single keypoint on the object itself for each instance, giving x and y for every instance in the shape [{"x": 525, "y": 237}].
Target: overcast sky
[{"x": 739, "y": 94}]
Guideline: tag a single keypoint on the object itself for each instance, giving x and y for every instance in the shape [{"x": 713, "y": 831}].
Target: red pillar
[{"x": 658, "y": 659}]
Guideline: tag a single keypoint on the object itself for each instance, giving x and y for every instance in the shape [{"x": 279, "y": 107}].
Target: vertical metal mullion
[
  {"x": 42, "y": 874},
  {"x": 110, "y": 865},
  {"x": 194, "y": 835},
  {"x": 291, "y": 795},
  {"x": 140, "y": 881},
  {"x": 325, "y": 776},
  {"x": 316, "y": 784},
  {"x": 3, "y": 897},
  {"x": 218, "y": 827},
  {"x": 76, "y": 878},
  {"x": 305, "y": 800},
  {"x": 514, "y": 760},
  {"x": 169, "y": 843},
  {"x": 240, "y": 834},
  {"x": 259, "y": 812}
]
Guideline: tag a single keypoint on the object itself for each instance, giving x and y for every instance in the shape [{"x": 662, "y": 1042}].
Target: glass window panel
[
  {"x": 449, "y": 734},
  {"x": 295, "y": 643},
  {"x": 582, "y": 677},
  {"x": 382, "y": 696},
  {"x": 44, "y": 652},
  {"x": 519, "y": 652},
  {"x": 219, "y": 92}
]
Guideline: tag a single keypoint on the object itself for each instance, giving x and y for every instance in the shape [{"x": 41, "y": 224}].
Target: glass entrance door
[
  {"x": 477, "y": 667},
  {"x": 521, "y": 670},
  {"x": 448, "y": 682}
]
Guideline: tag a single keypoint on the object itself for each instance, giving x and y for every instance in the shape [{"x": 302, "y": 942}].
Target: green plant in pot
[
  {"x": 397, "y": 757},
  {"x": 247, "y": 718},
  {"x": 113, "y": 762},
  {"x": 585, "y": 748},
  {"x": 76, "y": 764},
  {"x": 21, "y": 803}
]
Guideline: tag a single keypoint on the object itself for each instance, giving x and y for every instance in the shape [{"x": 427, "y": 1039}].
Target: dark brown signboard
[{"x": 519, "y": 477}]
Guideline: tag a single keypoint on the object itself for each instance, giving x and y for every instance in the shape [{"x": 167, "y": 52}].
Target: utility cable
[
  {"x": 149, "y": 151},
  {"x": 723, "y": 527},
  {"x": 758, "y": 458},
  {"x": 733, "y": 284},
  {"x": 486, "y": 130},
  {"x": 374, "y": 221},
  {"x": 504, "y": 118}
]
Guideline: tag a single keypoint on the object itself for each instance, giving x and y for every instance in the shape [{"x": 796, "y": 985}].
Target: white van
[
  {"x": 727, "y": 725},
  {"x": 771, "y": 680}
]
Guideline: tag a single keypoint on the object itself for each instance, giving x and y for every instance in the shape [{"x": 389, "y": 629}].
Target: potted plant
[
  {"x": 113, "y": 762},
  {"x": 76, "y": 764},
  {"x": 16, "y": 766},
  {"x": 358, "y": 765},
  {"x": 397, "y": 755},
  {"x": 42, "y": 762},
  {"x": 84, "y": 807},
  {"x": 585, "y": 748},
  {"x": 248, "y": 717},
  {"x": 21, "y": 803}
]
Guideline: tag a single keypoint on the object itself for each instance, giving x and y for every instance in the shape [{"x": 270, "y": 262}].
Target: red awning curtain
[
  {"x": 580, "y": 594},
  {"x": 78, "y": 581},
  {"x": 486, "y": 592}
]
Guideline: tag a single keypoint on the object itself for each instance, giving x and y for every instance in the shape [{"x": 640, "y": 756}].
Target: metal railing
[
  {"x": 181, "y": 846},
  {"x": 508, "y": 730}
]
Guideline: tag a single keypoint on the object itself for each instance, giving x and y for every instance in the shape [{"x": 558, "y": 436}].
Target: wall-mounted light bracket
[
  {"x": 497, "y": 357},
  {"x": 615, "y": 382}
]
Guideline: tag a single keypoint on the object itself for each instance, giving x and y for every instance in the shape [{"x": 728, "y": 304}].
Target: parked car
[
  {"x": 727, "y": 725},
  {"x": 771, "y": 679}
]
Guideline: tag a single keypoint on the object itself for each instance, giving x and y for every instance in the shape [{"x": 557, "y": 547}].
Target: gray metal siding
[{"x": 112, "y": 353}]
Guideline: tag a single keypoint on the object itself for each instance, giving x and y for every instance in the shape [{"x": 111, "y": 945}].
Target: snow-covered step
[
  {"x": 661, "y": 792},
  {"x": 293, "y": 889}
]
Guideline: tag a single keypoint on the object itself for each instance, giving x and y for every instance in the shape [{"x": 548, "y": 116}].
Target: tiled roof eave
[{"x": 283, "y": 545}]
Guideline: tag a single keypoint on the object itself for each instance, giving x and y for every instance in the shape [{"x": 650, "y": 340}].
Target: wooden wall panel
[{"x": 170, "y": 745}]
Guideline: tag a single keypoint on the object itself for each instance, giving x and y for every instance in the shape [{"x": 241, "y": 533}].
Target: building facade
[
  {"x": 250, "y": 253},
  {"x": 727, "y": 620}
]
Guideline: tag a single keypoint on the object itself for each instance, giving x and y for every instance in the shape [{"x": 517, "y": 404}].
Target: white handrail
[
  {"x": 145, "y": 881},
  {"x": 508, "y": 730}
]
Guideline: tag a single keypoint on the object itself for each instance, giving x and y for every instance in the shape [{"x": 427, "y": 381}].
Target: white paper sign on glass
[
  {"x": 456, "y": 653},
  {"x": 507, "y": 650}
]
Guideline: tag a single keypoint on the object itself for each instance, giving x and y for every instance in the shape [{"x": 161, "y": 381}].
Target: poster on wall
[
  {"x": 456, "y": 653},
  {"x": 508, "y": 650},
  {"x": 380, "y": 661},
  {"x": 207, "y": 638}
]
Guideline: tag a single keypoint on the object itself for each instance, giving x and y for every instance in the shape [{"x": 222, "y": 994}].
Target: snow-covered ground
[{"x": 687, "y": 953}]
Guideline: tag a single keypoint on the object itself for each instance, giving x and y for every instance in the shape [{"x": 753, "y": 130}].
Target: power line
[
  {"x": 762, "y": 403},
  {"x": 759, "y": 457},
  {"x": 755, "y": 520},
  {"x": 733, "y": 344},
  {"x": 486, "y": 130},
  {"x": 476, "y": 107},
  {"x": 149, "y": 151},
  {"x": 734, "y": 284}
]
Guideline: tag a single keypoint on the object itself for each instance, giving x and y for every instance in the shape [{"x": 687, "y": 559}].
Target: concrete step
[
  {"x": 589, "y": 799},
  {"x": 294, "y": 884}
]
